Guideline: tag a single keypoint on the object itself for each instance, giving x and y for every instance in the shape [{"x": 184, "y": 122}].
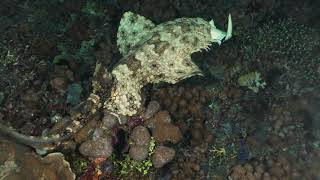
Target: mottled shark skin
[{"x": 157, "y": 53}]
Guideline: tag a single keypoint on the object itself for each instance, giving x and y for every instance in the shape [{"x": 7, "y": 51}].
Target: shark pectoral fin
[
  {"x": 190, "y": 68},
  {"x": 133, "y": 29},
  {"x": 194, "y": 69}
]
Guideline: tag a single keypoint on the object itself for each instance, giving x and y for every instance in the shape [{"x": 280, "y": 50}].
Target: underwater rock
[
  {"x": 140, "y": 136},
  {"x": 57, "y": 162},
  {"x": 100, "y": 147},
  {"x": 97, "y": 133},
  {"x": 162, "y": 155},
  {"x": 138, "y": 153},
  {"x": 162, "y": 129},
  {"x": 167, "y": 132},
  {"x": 83, "y": 134},
  {"x": 109, "y": 121},
  {"x": 160, "y": 117},
  {"x": 152, "y": 108},
  {"x": 135, "y": 121},
  {"x": 139, "y": 143}
]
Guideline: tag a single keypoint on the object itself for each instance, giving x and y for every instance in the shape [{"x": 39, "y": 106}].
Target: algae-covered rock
[
  {"x": 139, "y": 143},
  {"x": 162, "y": 156},
  {"x": 99, "y": 147}
]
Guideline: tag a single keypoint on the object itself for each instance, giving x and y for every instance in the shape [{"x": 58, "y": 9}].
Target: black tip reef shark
[{"x": 151, "y": 54}]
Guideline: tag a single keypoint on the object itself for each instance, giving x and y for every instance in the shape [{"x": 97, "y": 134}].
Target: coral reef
[
  {"x": 286, "y": 123},
  {"x": 253, "y": 114},
  {"x": 274, "y": 167},
  {"x": 148, "y": 63},
  {"x": 183, "y": 101},
  {"x": 189, "y": 163},
  {"x": 285, "y": 42}
]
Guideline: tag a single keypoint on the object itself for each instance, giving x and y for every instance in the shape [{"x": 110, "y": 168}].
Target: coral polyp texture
[{"x": 157, "y": 53}]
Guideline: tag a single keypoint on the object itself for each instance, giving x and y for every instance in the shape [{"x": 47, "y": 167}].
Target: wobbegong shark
[
  {"x": 157, "y": 53},
  {"x": 150, "y": 54}
]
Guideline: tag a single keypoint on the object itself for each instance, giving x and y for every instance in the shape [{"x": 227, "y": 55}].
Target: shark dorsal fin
[{"x": 133, "y": 29}]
